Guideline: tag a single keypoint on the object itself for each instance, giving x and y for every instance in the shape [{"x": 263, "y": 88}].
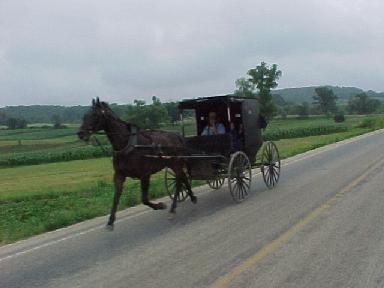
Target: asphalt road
[{"x": 322, "y": 226}]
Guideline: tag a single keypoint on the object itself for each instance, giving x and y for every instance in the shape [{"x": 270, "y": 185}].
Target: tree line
[
  {"x": 325, "y": 101},
  {"x": 259, "y": 83}
]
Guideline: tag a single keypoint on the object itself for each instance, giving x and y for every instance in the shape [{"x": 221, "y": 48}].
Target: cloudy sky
[{"x": 66, "y": 52}]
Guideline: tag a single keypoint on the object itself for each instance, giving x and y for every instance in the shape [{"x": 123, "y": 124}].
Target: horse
[{"x": 132, "y": 148}]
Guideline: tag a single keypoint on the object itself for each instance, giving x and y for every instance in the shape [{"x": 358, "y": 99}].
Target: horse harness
[{"x": 132, "y": 143}]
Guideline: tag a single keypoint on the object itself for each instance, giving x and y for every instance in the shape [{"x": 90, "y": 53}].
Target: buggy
[{"x": 230, "y": 155}]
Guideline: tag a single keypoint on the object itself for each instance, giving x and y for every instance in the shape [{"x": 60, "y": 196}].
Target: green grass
[
  {"x": 51, "y": 196},
  {"x": 40, "y": 198},
  {"x": 37, "y": 146},
  {"x": 36, "y": 133}
]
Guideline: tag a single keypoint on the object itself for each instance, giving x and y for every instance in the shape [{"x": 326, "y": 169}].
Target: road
[{"x": 322, "y": 226}]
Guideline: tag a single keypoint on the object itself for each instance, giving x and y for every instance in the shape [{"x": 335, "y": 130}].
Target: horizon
[{"x": 171, "y": 100}]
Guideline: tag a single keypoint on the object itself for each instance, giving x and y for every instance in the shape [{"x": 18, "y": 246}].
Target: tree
[
  {"x": 244, "y": 87},
  {"x": 11, "y": 123},
  {"x": 147, "y": 116},
  {"x": 16, "y": 123},
  {"x": 303, "y": 110},
  {"x": 325, "y": 99},
  {"x": 172, "y": 111},
  {"x": 157, "y": 113},
  {"x": 265, "y": 78},
  {"x": 56, "y": 120},
  {"x": 362, "y": 104},
  {"x": 3, "y": 118}
]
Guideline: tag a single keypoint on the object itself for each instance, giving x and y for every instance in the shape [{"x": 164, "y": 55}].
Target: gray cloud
[{"x": 65, "y": 52}]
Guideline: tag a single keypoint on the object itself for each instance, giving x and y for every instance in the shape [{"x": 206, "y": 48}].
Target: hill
[{"x": 302, "y": 94}]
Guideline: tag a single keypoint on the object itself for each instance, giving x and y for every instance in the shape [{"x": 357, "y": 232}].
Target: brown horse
[{"x": 132, "y": 149}]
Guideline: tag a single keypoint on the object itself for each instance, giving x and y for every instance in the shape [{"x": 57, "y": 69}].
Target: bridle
[{"x": 132, "y": 141}]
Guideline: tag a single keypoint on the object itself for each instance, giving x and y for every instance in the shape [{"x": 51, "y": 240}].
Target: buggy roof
[{"x": 203, "y": 101}]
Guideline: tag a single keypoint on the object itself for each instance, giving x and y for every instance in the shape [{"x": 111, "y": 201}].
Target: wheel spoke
[
  {"x": 270, "y": 178},
  {"x": 243, "y": 190},
  {"x": 275, "y": 177},
  {"x": 277, "y": 171},
  {"x": 267, "y": 172}
]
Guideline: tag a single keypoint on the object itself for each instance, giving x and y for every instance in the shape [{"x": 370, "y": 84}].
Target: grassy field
[{"x": 39, "y": 198}]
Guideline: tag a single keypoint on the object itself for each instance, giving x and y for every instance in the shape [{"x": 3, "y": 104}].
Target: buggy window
[{"x": 189, "y": 122}]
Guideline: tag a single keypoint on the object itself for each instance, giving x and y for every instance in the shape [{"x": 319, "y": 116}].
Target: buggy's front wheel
[
  {"x": 239, "y": 176},
  {"x": 170, "y": 185},
  {"x": 216, "y": 183}
]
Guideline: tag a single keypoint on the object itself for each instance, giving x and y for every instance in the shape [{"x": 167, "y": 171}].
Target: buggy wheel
[
  {"x": 221, "y": 173},
  {"x": 216, "y": 183},
  {"x": 270, "y": 164},
  {"x": 170, "y": 185},
  {"x": 239, "y": 176}
]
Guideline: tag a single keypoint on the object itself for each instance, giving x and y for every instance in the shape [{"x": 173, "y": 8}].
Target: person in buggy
[
  {"x": 237, "y": 136},
  {"x": 214, "y": 127}
]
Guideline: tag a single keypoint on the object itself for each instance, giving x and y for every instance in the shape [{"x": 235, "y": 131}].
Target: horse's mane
[{"x": 117, "y": 118}]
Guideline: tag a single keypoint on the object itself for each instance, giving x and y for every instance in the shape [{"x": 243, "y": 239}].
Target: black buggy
[{"x": 230, "y": 155}]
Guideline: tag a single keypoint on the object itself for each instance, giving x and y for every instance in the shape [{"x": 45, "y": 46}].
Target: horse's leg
[
  {"x": 118, "y": 181},
  {"x": 189, "y": 189},
  {"x": 144, "y": 195},
  {"x": 179, "y": 179}
]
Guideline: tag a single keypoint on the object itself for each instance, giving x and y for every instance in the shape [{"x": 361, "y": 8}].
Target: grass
[
  {"x": 40, "y": 198},
  {"x": 47, "y": 145},
  {"x": 51, "y": 196}
]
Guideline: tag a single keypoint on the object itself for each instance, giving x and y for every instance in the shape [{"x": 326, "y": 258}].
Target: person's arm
[
  {"x": 220, "y": 129},
  {"x": 205, "y": 131}
]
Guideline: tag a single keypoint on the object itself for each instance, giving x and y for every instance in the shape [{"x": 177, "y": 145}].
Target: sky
[{"x": 67, "y": 52}]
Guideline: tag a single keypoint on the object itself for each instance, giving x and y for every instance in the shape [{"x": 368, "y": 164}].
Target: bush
[
  {"x": 339, "y": 117},
  {"x": 372, "y": 123},
  {"x": 302, "y": 132},
  {"x": 367, "y": 123}
]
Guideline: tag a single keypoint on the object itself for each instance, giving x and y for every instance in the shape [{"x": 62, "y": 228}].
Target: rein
[{"x": 132, "y": 142}]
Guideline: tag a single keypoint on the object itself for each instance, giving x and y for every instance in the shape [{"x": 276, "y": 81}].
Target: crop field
[{"x": 62, "y": 191}]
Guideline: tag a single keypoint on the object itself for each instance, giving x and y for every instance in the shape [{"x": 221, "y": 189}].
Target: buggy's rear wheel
[
  {"x": 170, "y": 185},
  {"x": 270, "y": 164},
  {"x": 239, "y": 176}
]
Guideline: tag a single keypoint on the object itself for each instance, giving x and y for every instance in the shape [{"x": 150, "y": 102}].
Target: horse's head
[{"x": 94, "y": 120}]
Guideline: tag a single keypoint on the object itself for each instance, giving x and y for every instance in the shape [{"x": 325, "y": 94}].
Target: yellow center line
[{"x": 226, "y": 279}]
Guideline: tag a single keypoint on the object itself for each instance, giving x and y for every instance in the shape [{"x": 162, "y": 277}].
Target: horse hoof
[
  {"x": 161, "y": 206},
  {"x": 194, "y": 199},
  {"x": 109, "y": 227}
]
